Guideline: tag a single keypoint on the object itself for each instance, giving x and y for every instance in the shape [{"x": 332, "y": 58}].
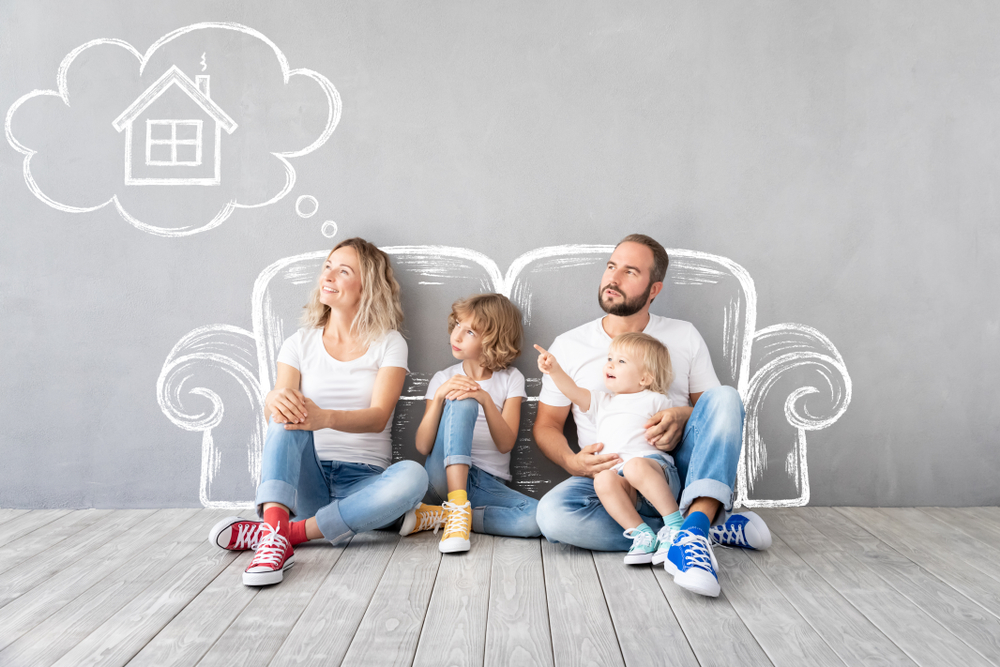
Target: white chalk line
[
  {"x": 791, "y": 345},
  {"x": 62, "y": 91}
]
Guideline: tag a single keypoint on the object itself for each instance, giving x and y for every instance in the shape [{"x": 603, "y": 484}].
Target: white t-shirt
[
  {"x": 344, "y": 385},
  {"x": 503, "y": 384},
  {"x": 621, "y": 421},
  {"x": 583, "y": 351}
]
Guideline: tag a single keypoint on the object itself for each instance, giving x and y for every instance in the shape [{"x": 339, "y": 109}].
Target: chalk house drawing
[
  {"x": 186, "y": 151},
  {"x": 172, "y": 142},
  {"x": 249, "y": 357}
]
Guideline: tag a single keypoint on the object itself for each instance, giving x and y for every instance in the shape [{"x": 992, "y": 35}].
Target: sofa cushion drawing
[{"x": 791, "y": 377}]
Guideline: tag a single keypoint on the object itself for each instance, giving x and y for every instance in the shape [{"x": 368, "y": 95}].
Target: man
[{"x": 704, "y": 433}]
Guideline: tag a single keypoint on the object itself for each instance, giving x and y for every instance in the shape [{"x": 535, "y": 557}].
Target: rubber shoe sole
[
  {"x": 454, "y": 545},
  {"x": 268, "y": 577},
  {"x": 695, "y": 580},
  {"x": 638, "y": 559},
  {"x": 221, "y": 533}
]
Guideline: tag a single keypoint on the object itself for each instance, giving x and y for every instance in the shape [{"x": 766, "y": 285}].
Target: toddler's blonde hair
[{"x": 651, "y": 353}]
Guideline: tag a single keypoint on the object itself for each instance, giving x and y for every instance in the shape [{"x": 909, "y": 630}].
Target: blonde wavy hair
[
  {"x": 379, "y": 310},
  {"x": 498, "y": 323},
  {"x": 651, "y": 353}
]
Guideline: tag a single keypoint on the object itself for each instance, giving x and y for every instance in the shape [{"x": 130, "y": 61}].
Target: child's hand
[
  {"x": 546, "y": 362},
  {"x": 456, "y": 386}
]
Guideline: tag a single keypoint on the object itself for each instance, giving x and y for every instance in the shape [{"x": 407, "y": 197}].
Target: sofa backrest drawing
[{"x": 791, "y": 377}]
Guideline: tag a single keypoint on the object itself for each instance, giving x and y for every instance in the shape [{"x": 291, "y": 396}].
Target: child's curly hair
[
  {"x": 652, "y": 354},
  {"x": 498, "y": 323}
]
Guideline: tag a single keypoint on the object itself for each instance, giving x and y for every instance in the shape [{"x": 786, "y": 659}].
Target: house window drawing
[
  {"x": 182, "y": 133},
  {"x": 173, "y": 142}
]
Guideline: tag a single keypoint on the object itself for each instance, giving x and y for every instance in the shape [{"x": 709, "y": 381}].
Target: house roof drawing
[{"x": 174, "y": 77}]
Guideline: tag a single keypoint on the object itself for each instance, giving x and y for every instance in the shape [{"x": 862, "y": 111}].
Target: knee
[
  {"x": 550, "y": 516},
  {"x": 277, "y": 434},
  {"x": 724, "y": 400},
  {"x": 606, "y": 479},
  {"x": 467, "y": 407},
  {"x": 409, "y": 479}
]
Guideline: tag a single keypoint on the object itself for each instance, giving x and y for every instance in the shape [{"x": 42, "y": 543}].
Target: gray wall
[{"x": 843, "y": 153}]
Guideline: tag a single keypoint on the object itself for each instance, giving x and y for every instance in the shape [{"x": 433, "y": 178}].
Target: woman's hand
[
  {"x": 287, "y": 405},
  {"x": 456, "y": 385},
  {"x": 315, "y": 419}
]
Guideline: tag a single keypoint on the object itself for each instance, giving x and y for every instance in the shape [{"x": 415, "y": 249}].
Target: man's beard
[{"x": 628, "y": 306}]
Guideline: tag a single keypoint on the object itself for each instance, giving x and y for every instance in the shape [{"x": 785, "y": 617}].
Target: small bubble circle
[
  {"x": 305, "y": 212},
  {"x": 329, "y": 229}
]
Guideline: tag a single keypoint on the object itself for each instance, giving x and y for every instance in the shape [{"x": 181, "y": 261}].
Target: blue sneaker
[
  {"x": 746, "y": 530},
  {"x": 643, "y": 546},
  {"x": 691, "y": 561}
]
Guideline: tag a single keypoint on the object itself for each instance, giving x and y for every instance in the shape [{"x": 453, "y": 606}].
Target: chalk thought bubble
[{"x": 206, "y": 121}]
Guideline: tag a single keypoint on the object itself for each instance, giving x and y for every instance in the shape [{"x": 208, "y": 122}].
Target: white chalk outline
[
  {"x": 173, "y": 142},
  {"x": 782, "y": 348},
  {"x": 174, "y": 77},
  {"x": 331, "y": 226},
  {"x": 309, "y": 198},
  {"x": 62, "y": 92}
]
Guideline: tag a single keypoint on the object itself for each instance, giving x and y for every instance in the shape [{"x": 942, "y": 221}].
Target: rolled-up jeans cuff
[
  {"x": 708, "y": 488},
  {"x": 457, "y": 459},
  {"x": 331, "y": 524},
  {"x": 276, "y": 491}
]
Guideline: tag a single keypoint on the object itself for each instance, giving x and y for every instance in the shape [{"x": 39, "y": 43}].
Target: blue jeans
[
  {"x": 345, "y": 498},
  {"x": 706, "y": 458},
  {"x": 496, "y": 508}
]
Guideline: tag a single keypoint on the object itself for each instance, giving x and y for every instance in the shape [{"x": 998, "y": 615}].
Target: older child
[
  {"x": 470, "y": 425},
  {"x": 637, "y": 375}
]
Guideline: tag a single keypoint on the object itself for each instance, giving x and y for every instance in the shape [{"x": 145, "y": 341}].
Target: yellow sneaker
[
  {"x": 457, "y": 528},
  {"x": 425, "y": 517}
]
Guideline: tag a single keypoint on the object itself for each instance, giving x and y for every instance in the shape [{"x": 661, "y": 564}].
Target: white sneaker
[{"x": 665, "y": 537}]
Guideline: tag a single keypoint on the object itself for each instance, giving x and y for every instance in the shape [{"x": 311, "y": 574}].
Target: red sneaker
[
  {"x": 274, "y": 556},
  {"x": 236, "y": 534}
]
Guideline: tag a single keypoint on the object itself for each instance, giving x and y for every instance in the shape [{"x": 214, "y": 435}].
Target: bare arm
[
  {"x": 571, "y": 390},
  {"x": 285, "y": 403},
  {"x": 503, "y": 425},
  {"x": 385, "y": 395},
  {"x": 548, "y": 432}
]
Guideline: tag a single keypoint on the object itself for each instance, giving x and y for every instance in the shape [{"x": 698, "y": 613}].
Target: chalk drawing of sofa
[{"x": 791, "y": 377}]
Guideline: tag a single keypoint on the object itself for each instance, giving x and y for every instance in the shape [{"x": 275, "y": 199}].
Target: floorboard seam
[{"x": 545, "y": 589}]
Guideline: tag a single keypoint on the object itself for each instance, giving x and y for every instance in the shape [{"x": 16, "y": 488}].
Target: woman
[{"x": 327, "y": 451}]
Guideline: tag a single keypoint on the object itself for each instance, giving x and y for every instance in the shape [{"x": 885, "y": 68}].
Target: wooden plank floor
[{"x": 849, "y": 586}]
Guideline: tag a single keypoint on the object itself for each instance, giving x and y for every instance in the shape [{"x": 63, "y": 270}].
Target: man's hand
[
  {"x": 665, "y": 428},
  {"x": 315, "y": 419},
  {"x": 587, "y": 462}
]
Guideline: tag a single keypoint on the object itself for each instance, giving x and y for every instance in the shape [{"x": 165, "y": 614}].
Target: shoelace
[
  {"x": 640, "y": 538},
  {"x": 248, "y": 535},
  {"x": 725, "y": 536},
  {"x": 271, "y": 548},
  {"x": 456, "y": 517},
  {"x": 665, "y": 537},
  {"x": 698, "y": 552},
  {"x": 431, "y": 519}
]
